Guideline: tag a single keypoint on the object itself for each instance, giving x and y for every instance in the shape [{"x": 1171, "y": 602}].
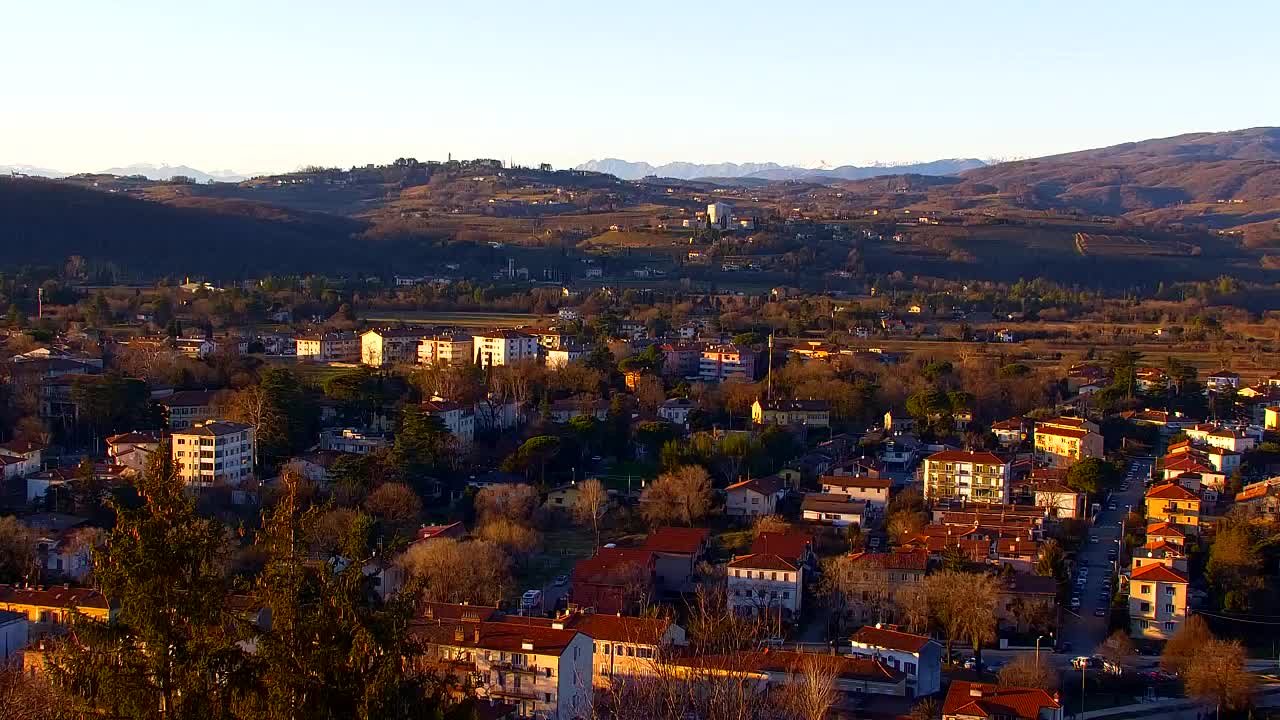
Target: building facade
[
  {"x": 973, "y": 476},
  {"x": 504, "y": 347},
  {"x": 214, "y": 452}
]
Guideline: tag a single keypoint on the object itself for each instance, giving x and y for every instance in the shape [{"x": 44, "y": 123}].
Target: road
[{"x": 1081, "y": 628}]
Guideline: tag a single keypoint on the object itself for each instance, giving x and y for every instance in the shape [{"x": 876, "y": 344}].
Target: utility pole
[{"x": 768, "y": 382}]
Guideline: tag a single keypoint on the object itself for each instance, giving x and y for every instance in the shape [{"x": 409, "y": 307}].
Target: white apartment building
[
  {"x": 350, "y": 440},
  {"x": 329, "y": 347},
  {"x": 1157, "y": 601},
  {"x": 447, "y": 349},
  {"x": 383, "y": 348},
  {"x": 214, "y": 452},
  {"x": 458, "y": 419},
  {"x": 764, "y": 583},
  {"x": 504, "y": 347},
  {"x": 973, "y": 476},
  {"x": 559, "y": 357}
]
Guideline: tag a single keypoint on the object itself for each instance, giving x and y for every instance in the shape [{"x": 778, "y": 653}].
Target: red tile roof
[
  {"x": 500, "y": 636},
  {"x": 761, "y": 561},
  {"x": 792, "y": 544},
  {"x": 611, "y": 565},
  {"x": 455, "y": 611},
  {"x": 981, "y": 458},
  {"x": 1164, "y": 528},
  {"x": 677, "y": 540},
  {"x": 53, "y": 597},
  {"x": 765, "y": 485},
  {"x": 984, "y": 700},
  {"x": 1171, "y": 491},
  {"x": 620, "y": 628},
  {"x": 1158, "y": 573},
  {"x": 1075, "y": 433},
  {"x": 889, "y": 638}
]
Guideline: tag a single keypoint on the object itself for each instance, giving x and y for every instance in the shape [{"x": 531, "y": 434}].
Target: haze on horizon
[{"x": 262, "y": 87}]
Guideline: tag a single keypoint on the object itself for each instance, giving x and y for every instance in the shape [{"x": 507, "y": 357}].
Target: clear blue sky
[{"x": 272, "y": 85}]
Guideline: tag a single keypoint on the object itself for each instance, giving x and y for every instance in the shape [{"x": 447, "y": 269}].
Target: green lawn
[{"x": 562, "y": 547}]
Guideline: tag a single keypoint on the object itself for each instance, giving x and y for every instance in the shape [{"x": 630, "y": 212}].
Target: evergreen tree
[{"x": 170, "y": 651}]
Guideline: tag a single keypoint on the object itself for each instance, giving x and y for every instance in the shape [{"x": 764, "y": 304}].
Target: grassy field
[
  {"x": 458, "y": 319},
  {"x": 563, "y": 546}
]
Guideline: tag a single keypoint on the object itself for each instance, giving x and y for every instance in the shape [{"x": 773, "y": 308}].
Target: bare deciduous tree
[
  {"x": 475, "y": 571},
  {"x": 514, "y": 501},
  {"x": 683, "y": 495},
  {"x": 591, "y": 504},
  {"x": 1218, "y": 675},
  {"x": 1024, "y": 671}
]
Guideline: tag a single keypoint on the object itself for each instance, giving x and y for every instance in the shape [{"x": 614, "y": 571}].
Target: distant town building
[
  {"x": 214, "y": 452},
  {"x": 504, "y": 347},
  {"x": 329, "y": 347},
  {"x": 976, "y": 476}
]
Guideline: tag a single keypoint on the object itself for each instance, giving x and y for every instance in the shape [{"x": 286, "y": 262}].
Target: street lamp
[{"x": 1038, "y": 639}]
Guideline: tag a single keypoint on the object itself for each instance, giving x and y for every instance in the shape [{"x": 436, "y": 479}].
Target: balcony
[
  {"x": 520, "y": 693},
  {"x": 522, "y": 668}
]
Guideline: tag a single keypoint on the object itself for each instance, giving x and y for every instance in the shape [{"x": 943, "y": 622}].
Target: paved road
[{"x": 1081, "y": 628}]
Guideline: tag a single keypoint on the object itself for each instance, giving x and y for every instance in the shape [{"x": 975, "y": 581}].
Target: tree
[
  {"x": 1090, "y": 475},
  {"x": 1024, "y": 671},
  {"x": 770, "y": 524},
  {"x": 1117, "y": 649},
  {"x": 516, "y": 538},
  {"x": 536, "y": 452},
  {"x": 811, "y": 686},
  {"x": 171, "y": 651},
  {"x": 912, "y": 603},
  {"x": 423, "y": 445},
  {"x": 591, "y": 504},
  {"x": 397, "y": 507},
  {"x": 17, "y": 550},
  {"x": 1234, "y": 567},
  {"x": 329, "y": 652},
  {"x": 1219, "y": 675},
  {"x": 511, "y": 501},
  {"x": 683, "y": 495},
  {"x": 1180, "y": 651},
  {"x": 475, "y": 571},
  {"x": 963, "y": 604},
  {"x": 1052, "y": 561},
  {"x": 926, "y": 709},
  {"x": 650, "y": 393}
]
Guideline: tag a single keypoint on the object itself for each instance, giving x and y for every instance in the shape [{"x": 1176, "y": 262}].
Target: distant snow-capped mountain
[
  {"x": 773, "y": 171},
  {"x": 167, "y": 172}
]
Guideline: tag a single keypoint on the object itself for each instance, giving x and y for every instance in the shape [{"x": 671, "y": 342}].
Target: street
[{"x": 1081, "y": 627}]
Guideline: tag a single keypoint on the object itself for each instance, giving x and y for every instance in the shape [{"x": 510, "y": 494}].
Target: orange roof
[
  {"x": 776, "y": 661},
  {"x": 890, "y": 638},
  {"x": 611, "y": 565},
  {"x": 765, "y": 485},
  {"x": 1158, "y": 573},
  {"x": 1164, "y": 528},
  {"x": 898, "y": 559},
  {"x": 1076, "y": 433},
  {"x": 1171, "y": 491},
  {"x": 984, "y": 700},
  {"x": 677, "y": 540},
  {"x": 620, "y": 628},
  {"x": 53, "y": 597},
  {"x": 761, "y": 561},
  {"x": 501, "y": 636},
  {"x": 981, "y": 458},
  {"x": 455, "y": 611},
  {"x": 791, "y": 544}
]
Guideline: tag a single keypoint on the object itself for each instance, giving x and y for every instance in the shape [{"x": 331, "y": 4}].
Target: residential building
[
  {"x": 833, "y": 509},
  {"x": 50, "y": 609},
  {"x": 1157, "y": 601},
  {"x": 719, "y": 215},
  {"x": 557, "y": 358},
  {"x": 1167, "y": 533},
  {"x": 446, "y": 349},
  {"x": 458, "y": 419},
  {"x": 132, "y": 450},
  {"x": 214, "y": 452},
  {"x": 982, "y": 701},
  {"x": 329, "y": 347},
  {"x": 814, "y": 413},
  {"x": 874, "y": 491},
  {"x": 1174, "y": 504},
  {"x": 1010, "y": 433},
  {"x": 721, "y": 362},
  {"x": 623, "y": 646},
  {"x": 187, "y": 407},
  {"x": 1062, "y": 441},
  {"x": 765, "y": 584},
  {"x": 916, "y": 656},
  {"x": 545, "y": 671},
  {"x": 763, "y": 671},
  {"x": 677, "y": 552},
  {"x": 754, "y": 498},
  {"x": 676, "y": 411},
  {"x": 562, "y": 411},
  {"x": 1222, "y": 381},
  {"x": 1026, "y": 602},
  {"x": 14, "y": 634},
  {"x": 350, "y": 440},
  {"x": 1058, "y": 499},
  {"x": 393, "y": 346},
  {"x": 794, "y": 546},
  {"x": 681, "y": 360},
  {"x": 504, "y": 347},
  {"x": 973, "y": 476},
  {"x": 30, "y": 451},
  {"x": 615, "y": 580},
  {"x": 39, "y": 483}
]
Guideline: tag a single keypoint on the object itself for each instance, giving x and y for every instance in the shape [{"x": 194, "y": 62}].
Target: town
[{"x": 644, "y": 504}]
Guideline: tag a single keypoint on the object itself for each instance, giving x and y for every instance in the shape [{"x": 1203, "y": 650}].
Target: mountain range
[
  {"x": 627, "y": 170},
  {"x": 150, "y": 171}
]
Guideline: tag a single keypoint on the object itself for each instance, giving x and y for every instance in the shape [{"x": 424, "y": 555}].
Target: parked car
[
  {"x": 1093, "y": 539},
  {"x": 561, "y": 580},
  {"x": 531, "y": 600},
  {"x": 1100, "y": 612}
]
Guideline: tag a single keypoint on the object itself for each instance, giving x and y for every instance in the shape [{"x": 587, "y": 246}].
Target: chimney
[
  {"x": 477, "y": 634},
  {"x": 975, "y": 690}
]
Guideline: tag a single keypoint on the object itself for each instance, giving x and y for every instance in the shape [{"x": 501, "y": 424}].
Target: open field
[{"x": 457, "y": 319}]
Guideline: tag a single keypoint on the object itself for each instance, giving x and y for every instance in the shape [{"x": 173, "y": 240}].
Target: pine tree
[{"x": 170, "y": 651}]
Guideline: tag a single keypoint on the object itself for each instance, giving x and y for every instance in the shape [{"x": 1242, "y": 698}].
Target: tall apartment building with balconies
[
  {"x": 973, "y": 476},
  {"x": 214, "y": 452}
]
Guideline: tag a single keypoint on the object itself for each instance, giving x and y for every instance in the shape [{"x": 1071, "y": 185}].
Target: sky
[{"x": 273, "y": 85}]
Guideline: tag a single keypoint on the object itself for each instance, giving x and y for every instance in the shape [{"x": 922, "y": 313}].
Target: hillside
[
  {"x": 723, "y": 173},
  {"x": 47, "y": 221}
]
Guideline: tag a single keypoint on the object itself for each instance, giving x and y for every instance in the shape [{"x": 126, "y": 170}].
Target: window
[
  {"x": 608, "y": 649},
  {"x": 773, "y": 576},
  {"x": 631, "y": 651},
  {"x": 1169, "y": 608},
  {"x": 909, "y": 668},
  {"x": 1171, "y": 591},
  {"x": 1146, "y": 590},
  {"x": 1145, "y": 607},
  {"x": 546, "y": 697},
  {"x": 786, "y": 594},
  {"x": 1169, "y": 626}
]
